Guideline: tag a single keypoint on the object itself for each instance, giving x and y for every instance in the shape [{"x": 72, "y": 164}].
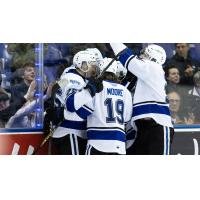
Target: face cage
[
  {"x": 121, "y": 76},
  {"x": 92, "y": 64},
  {"x": 144, "y": 55}
]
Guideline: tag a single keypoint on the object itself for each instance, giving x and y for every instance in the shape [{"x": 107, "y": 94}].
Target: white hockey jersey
[
  {"x": 150, "y": 99},
  {"x": 108, "y": 112},
  {"x": 73, "y": 123}
]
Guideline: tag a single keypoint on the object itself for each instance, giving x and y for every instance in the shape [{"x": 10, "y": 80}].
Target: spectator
[
  {"x": 194, "y": 98},
  {"x": 8, "y": 108},
  {"x": 18, "y": 91},
  {"x": 25, "y": 117},
  {"x": 173, "y": 83},
  {"x": 174, "y": 107},
  {"x": 178, "y": 116},
  {"x": 173, "y": 79},
  {"x": 186, "y": 65}
]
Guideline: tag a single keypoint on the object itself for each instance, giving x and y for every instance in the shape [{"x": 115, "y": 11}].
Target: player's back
[
  {"x": 105, "y": 127},
  {"x": 153, "y": 102}
]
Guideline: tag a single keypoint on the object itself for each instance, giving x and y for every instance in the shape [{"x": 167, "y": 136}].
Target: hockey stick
[{"x": 44, "y": 141}]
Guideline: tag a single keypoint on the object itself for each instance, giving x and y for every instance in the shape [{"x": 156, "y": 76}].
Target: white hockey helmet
[
  {"x": 83, "y": 60},
  {"x": 154, "y": 53},
  {"x": 105, "y": 62},
  {"x": 121, "y": 71},
  {"x": 96, "y": 52}
]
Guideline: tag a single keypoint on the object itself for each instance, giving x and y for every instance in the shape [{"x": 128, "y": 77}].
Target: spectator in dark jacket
[
  {"x": 186, "y": 65},
  {"x": 8, "y": 108},
  {"x": 18, "y": 91}
]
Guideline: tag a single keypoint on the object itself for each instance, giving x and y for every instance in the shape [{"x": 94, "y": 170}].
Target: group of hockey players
[{"x": 101, "y": 116}]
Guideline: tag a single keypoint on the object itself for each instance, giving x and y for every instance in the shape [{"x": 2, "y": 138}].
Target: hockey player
[
  {"x": 150, "y": 107},
  {"x": 108, "y": 111},
  {"x": 73, "y": 127}
]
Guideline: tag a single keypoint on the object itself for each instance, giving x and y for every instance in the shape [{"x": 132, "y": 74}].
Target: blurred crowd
[{"x": 17, "y": 78}]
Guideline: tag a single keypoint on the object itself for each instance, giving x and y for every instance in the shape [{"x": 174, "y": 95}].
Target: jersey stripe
[
  {"x": 83, "y": 113},
  {"x": 89, "y": 109},
  {"x": 166, "y": 140},
  {"x": 105, "y": 128},
  {"x": 106, "y": 135},
  {"x": 149, "y": 102},
  {"x": 150, "y": 108}
]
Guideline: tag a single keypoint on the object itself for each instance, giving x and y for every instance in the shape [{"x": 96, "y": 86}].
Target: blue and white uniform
[
  {"x": 108, "y": 112},
  {"x": 149, "y": 102},
  {"x": 150, "y": 96},
  {"x": 73, "y": 123}
]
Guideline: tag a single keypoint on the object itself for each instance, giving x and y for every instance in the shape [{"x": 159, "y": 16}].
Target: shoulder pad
[{"x": 72, "y": 81}]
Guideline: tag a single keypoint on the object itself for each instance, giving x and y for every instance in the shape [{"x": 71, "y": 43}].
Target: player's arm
[
  {"x": 70, "y": 85},
  {"x": 86, "y": 110},
  {"x": 135, "y": 65},
  {"x": 77, "y": 99}
]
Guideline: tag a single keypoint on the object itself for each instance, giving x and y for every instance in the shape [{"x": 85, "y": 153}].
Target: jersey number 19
[{"x": 118, "y": 105}]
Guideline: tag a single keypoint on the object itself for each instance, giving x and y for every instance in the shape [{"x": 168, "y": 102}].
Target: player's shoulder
[
  {"x": 73, "y": 79},
  {"x": 71, "y": 73},
  {"x": 67, "y": 70}
]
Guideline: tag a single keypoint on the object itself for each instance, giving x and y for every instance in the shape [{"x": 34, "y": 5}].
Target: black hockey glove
[{"x": 94, "y": 86}]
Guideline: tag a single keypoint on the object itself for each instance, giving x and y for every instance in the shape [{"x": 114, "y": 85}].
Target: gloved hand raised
[{"x": 94, "y": 86}]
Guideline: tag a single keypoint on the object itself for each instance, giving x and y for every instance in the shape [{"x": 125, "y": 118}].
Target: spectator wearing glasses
[
  {"x": 177, "y": 114},
  {"x": 174, "y": 107}
]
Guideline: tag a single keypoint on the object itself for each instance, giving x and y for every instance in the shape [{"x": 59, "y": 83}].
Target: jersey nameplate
[
  {"x": 75, "y": 82},
  {"x": 116, "y": 92}
]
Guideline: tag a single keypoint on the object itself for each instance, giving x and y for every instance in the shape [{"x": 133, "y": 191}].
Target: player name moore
[{"x": 116, "y": 92}]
